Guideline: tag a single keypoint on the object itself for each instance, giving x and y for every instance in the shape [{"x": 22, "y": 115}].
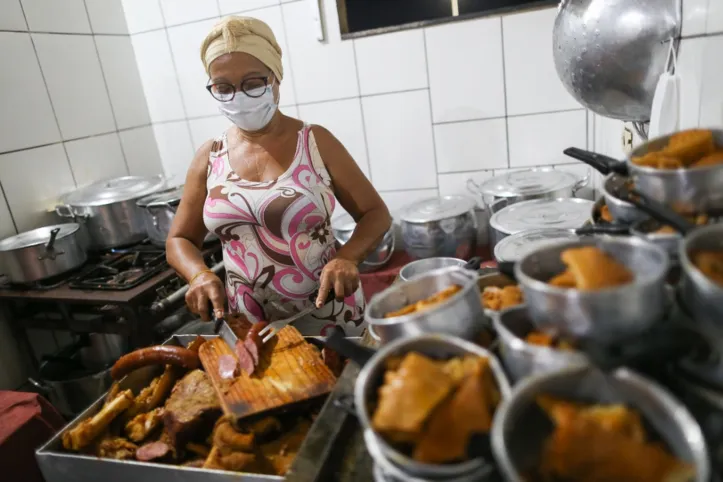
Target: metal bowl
[
  {"x": 371, "y": 378},
  {"x": 701, "y": 295},
  {"x": 420, "y": 266},
  {"x": 607, "y": 315},
  {"x": 440, "y": 227},
  {"x": 343, "y": 228},
  {"x": 621, "y": 211},
  {"x": 520, "y": 427},
  {"x": 460, "y": 315},
  {"x": 522, "y": 359}
]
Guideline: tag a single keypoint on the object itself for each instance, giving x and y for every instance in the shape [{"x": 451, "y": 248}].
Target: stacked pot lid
[
  {"x": 562, "y": 213},
  {"x": 528, "y": 183},
  {"x": 436, "y": 209},
  {"x": 514, "y": 247},
  {"x": 121, "y": 189}
]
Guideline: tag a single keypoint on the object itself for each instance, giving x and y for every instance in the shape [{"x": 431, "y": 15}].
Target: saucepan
[
  {"x": 420, "y": 266},
  {"x": 697, "y": 189},
  {"x": 621, "y": 210},
  {"x": 520, "y": 428},
  {"x": 371, "y": 378}
]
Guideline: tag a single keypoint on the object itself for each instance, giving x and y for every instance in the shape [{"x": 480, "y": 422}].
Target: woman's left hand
[{"x": 340, "y": 274}]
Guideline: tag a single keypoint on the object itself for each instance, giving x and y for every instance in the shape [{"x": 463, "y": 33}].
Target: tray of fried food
[{"x": 687, "y": 149}]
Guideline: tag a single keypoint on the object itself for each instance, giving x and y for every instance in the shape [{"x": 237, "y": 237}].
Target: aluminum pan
[{"x": 58, "y": 465}]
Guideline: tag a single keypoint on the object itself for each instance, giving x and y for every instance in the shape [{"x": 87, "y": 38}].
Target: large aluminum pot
[
  {"x": 560, "y": 213},
  {"x": 514, "y": 247},
  {"x": 440, "y": 227},
  {"x": 42, "y": 253},
  {"x": 702, "y": 296},
  {"x": 621, "y": 211},
  {"x": 609, "y": 54},
  {"x": 460, "y": 315},
  {"x": 522, "y": 359},
  {"x": 158, "y": 210},
  {"x": 343, "y": 228},
  {"x": 609, "y": 315},
  {"x": 691, "y": 190},
  {"x": 371, "y": 378},
  {"x": 520, "y": 428},
  {"x": 109, "y": 211}
]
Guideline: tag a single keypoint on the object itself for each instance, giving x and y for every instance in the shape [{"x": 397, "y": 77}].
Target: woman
[{"x": 267, "y": 188}]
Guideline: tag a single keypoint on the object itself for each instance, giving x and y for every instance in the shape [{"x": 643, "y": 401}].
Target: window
[{"x": 366, "y": 17}]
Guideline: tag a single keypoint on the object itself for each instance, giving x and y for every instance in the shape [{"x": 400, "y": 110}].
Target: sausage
[
  {"x": 152, "y": 451},
  {"x": 245, "y": 359},
  {"x": 253, "y": 342},
  {"x": 227, "y": 367},
  {"x": 154, "y": 355}
]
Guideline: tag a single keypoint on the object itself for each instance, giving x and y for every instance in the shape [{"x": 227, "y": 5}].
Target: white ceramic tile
[
  {"x": 158, "y": 76},
  {"x": 398, "y": 200},
  {"x": 7, "y": 227},
  {"x": 207, "y": 128},
  {"x": 229, "y": 7},
  {"x": 183, "y": 11},
  {"x": 609, "y": 137},
  {"x": 711, "y": 107},
  {"x": 466, "y": 83},
  {"x": 391, "y": 62},
  {"x": 175, "y": 147},
  {"x": 185, "y": 42},
  {"x": 290, "y": 110},
  {"x": 330, "y": 12},
  {"x": 75, "y": 81},
  {"x": 532, "y": 82},
  {"x": 690, "y": 69},
  {"x": 399, "y": 138},
  {"x": 694, "y": 17},
  {"x": 273, "y": 18},
  {"x": 458, "y": 183},
  {"x": 322, "y": 71},
  {"x": 106, "y": 16},
  {"x": 33, "y": 180},
  {"x": 11, "y": 17},
  {"x": 96, "y": 158},
  {"x": 142, "y": 15},
  {"x": 344, "y": 119},
  {"x": 141, "y": 151},
  {"x": 715, "y": 17},
  {"x": 540, "y": 139},
  {"x": 471, "y": 145},
  {"x": 124, "y": 82},
  {"x": 67, "y": 16},
  {"x": 26, "y": 115}
]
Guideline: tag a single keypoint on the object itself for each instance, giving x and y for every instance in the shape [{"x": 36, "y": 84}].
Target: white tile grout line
[
  {"x": 504, "y": 89},
  {"x": 107, "y": 89},
  {"x": 361, "y": 110},
  {"x": 288, "y": 50},
  {"x": 431, "y": 114}
]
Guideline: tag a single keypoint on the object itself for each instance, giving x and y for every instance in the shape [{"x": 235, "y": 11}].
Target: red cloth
[
  {"x": 27, "y": 421},
  {"x": 373, "y": 283}
]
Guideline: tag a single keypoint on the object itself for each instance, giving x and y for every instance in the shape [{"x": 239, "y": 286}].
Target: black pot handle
[
  {"x": 603, "y": 164},
  {"x": 656, "y": 210},
  {"x": 473, "y": 264},
  {"x": 612, "y": 229},
  {"x": 348, "y": 349}
]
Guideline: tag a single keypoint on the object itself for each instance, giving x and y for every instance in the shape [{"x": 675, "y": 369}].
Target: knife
[{"x": 222, "y": 329}]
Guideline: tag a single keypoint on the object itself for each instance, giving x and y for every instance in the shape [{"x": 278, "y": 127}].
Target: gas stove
[{"x": 121, "y": 271}]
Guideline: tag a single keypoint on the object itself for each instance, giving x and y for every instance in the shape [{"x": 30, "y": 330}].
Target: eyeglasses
[{"x": 253, "y": 87}]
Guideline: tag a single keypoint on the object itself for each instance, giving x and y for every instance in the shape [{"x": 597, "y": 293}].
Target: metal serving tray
[{"x": 59, "y": 465}]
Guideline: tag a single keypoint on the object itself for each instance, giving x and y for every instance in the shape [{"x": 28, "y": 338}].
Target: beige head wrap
[{"x": 243, "y": 34}]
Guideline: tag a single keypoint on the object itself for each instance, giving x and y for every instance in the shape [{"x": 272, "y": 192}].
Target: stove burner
[{"x": 124, "y": 270}]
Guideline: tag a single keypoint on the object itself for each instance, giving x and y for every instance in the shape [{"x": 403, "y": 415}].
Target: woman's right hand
[{"x": 204, "y": 288}]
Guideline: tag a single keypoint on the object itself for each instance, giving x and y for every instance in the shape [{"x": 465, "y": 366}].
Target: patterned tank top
[{"x": 276, "y": 238}]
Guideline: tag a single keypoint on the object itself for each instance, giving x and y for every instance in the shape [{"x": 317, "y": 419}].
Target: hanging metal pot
[{"x": 609, "y": 54}]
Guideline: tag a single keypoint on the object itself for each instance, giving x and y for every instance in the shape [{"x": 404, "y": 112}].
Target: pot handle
[
  {"x": 353, "y": 351},
  {"x": 65, "y": 211},
  {"x": 39, "y": 385},
  {"x": 50, "y": 251},
  {"x": 603, "y": 164},
  {"x": 657, "y": 211},
  {"x": 612, "y": 229},
  {"x": 581, "y": 183}
]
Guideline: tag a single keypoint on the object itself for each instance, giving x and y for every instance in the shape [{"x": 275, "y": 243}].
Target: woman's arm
[
  {"x": 357, "y": 195},
  {"x": 185, "y": 239}
]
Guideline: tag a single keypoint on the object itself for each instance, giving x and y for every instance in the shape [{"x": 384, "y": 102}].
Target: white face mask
[{"x": 250, "y": 114}]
